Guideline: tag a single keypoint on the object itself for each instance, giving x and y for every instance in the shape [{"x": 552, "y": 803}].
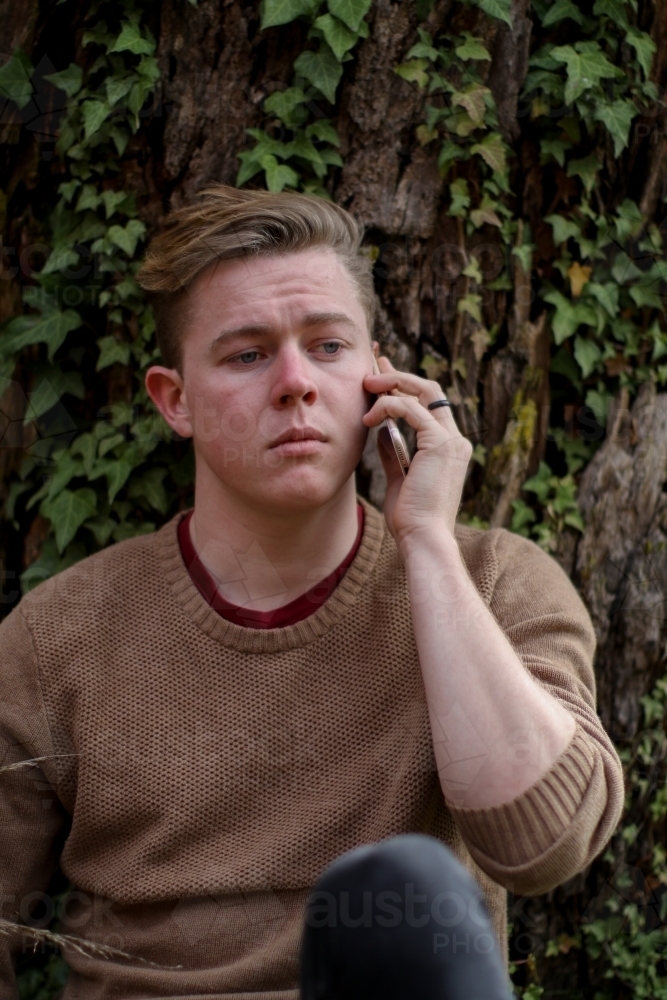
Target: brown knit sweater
[{"x": 198, "y": 775}]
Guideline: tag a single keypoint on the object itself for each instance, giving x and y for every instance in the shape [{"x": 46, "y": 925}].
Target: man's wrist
[
  {"x": 434, "y": 538},
  {"x": 435, "y": 569}
]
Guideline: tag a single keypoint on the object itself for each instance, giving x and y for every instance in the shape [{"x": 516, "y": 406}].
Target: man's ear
[{"x": 165, "y": 387}]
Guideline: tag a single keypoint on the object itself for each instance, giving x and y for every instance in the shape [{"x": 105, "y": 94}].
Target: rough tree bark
[{"x": 217, "y": 68}]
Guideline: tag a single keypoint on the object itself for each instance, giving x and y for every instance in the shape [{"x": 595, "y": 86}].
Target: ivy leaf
[
  {"x": 86, "y": 446},
  {"x": 472, "y": 99},
  {"x": 613, "y": 9},
  {"x": 306, "y": 150},
  {"x": 112, "y": 199},
  {"x": 120, "y": 138},
  {"x": 117, "y": 88},
  {"x": 607, "y": 295},
  {"x": 449, "y": 152},
  {"x": 283, "y": 103},
  {"x": 585, "y": 67},
  {"x": 351, "y": 12},
  {"x": 67, "y": 468},
  {"x": 60, "y": 258},
  {"x": 425, "y": 134},
  {"x": 555, "y": 148},
  {"x": 500, "y": 9},
  {"x": 117, "y": 472},
  {"x": 250, "y": 166},
  {"x": 560, "y": 10},
  {"x": 617, "y": 117},
  {"x": 112, "y": 351},
  {"x": 278, "y": 175},
  {"x": 276, "y": 12},
  {"x": 101, "y": 528},
  {"x": 331, "y": 157},
  {"x": 94, "y": 114},
  {"x": 492, "y": 151},
  {"x": 644, "y": 46},
  {"x": 629, "y": 220},
  {"x": 69, "y": 189},
  {"x": 414, "y": 71},
  {"x": 338, "y": 36},
  {"x": 587, "y": 169},
  {"x": 151, "y": 487},
  {"x": 643, "y": 295},
  {"x": 472, "y": 48},
  {"x": 568, "y": 317},
  {"x": 470, "y": 304},
  {"x": 587, "y": 354},
  {"x": 89, "y": 198},
  {"x": 50, "y": 330},
  {"x": 69, "y": 79},
  {"x": 322, "y": 69},
  {"x": 485, "y": 213},
  {"x": 50, "y": 391},
  {"x": 524, "y": 253},
  {"x": 130, "y": 40},
  {"x": 68, "y": 512},
  {"x": 563, "y": 228},
  {"x": 15, "y": 79},
  {"x": 324, "y": 131},
  {"x": 424, "y": 47},
  {"x": 458, "y": 190},
  {"x": 128, "y": 237}
]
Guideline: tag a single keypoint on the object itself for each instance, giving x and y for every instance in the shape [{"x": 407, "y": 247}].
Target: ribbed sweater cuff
[{"x": 518, "y": 832}]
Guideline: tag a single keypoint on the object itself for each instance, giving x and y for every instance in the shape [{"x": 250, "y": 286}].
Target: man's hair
[{"x": 224, "y": 223}]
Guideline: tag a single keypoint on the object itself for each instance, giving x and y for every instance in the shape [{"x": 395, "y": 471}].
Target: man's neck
[{"x": 263, "y": 560}]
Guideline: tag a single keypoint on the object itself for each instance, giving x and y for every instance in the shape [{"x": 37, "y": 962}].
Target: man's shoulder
[{"x": 115, "y": 575}]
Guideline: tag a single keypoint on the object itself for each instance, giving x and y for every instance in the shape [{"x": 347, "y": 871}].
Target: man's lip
[{"x": 298, "y": 434}]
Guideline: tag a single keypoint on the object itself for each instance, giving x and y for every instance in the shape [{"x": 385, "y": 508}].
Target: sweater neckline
[{"x": 270, "y": 640}]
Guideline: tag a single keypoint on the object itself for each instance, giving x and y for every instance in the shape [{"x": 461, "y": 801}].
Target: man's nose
[{"x": 293, "y": 379}]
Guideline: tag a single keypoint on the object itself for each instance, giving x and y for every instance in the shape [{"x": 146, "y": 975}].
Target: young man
[{"x": 222, "y": 708}]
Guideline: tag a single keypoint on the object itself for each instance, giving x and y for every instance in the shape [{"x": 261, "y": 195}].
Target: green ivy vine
[
  {"x": 303, "y": 160},
  {"x": 607, "y": 314},
  {"x": 110, "y": 475}
]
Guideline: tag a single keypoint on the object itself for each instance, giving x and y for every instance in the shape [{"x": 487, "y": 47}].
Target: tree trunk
[{"x": 217, "y": 67}]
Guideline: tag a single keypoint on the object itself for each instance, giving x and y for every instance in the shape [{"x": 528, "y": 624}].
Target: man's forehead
[{"x": 314, "y": 269}]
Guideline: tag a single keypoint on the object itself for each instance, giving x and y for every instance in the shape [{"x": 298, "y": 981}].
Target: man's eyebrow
[
  {"x": 320, "y": 319},
  {"x": 260, "y": 329},
  {"x": 248, "y": 330}
]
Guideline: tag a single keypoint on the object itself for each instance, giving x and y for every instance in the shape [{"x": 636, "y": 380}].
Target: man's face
[{"x": 273, "y": 359}]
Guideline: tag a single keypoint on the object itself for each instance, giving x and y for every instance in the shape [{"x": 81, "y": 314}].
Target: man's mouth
[{"x": 298, "y": 434}]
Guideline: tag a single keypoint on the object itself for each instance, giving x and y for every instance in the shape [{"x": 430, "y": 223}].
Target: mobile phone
[{"x": 397, "y": 438}]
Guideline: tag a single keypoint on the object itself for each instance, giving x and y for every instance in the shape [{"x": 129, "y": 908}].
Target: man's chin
[{"x": 291, "y": 491}]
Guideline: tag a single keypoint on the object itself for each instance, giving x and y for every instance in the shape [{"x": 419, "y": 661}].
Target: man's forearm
[{"x": 495, "y": 730}]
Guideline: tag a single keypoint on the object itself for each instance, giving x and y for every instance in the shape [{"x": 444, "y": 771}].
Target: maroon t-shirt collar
[{"x": 288, "y": 614}]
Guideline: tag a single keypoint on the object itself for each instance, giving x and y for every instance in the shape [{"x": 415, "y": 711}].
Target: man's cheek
[{"x": 239, "y": 423}]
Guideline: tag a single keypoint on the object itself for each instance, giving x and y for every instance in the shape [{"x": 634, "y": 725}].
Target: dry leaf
[{"x": 578, "y": 276}]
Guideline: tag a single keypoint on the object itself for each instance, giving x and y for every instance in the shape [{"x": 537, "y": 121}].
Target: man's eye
[
  {"x": 331, "y": 347},
  {"x": 247, "y": 357}
]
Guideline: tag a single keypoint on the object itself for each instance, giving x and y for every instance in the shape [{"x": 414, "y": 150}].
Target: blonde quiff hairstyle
[{"x": 224, "y": 223}]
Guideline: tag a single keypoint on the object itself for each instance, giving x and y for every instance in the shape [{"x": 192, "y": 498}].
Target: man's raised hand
[{"x": 428, "y": 499}]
